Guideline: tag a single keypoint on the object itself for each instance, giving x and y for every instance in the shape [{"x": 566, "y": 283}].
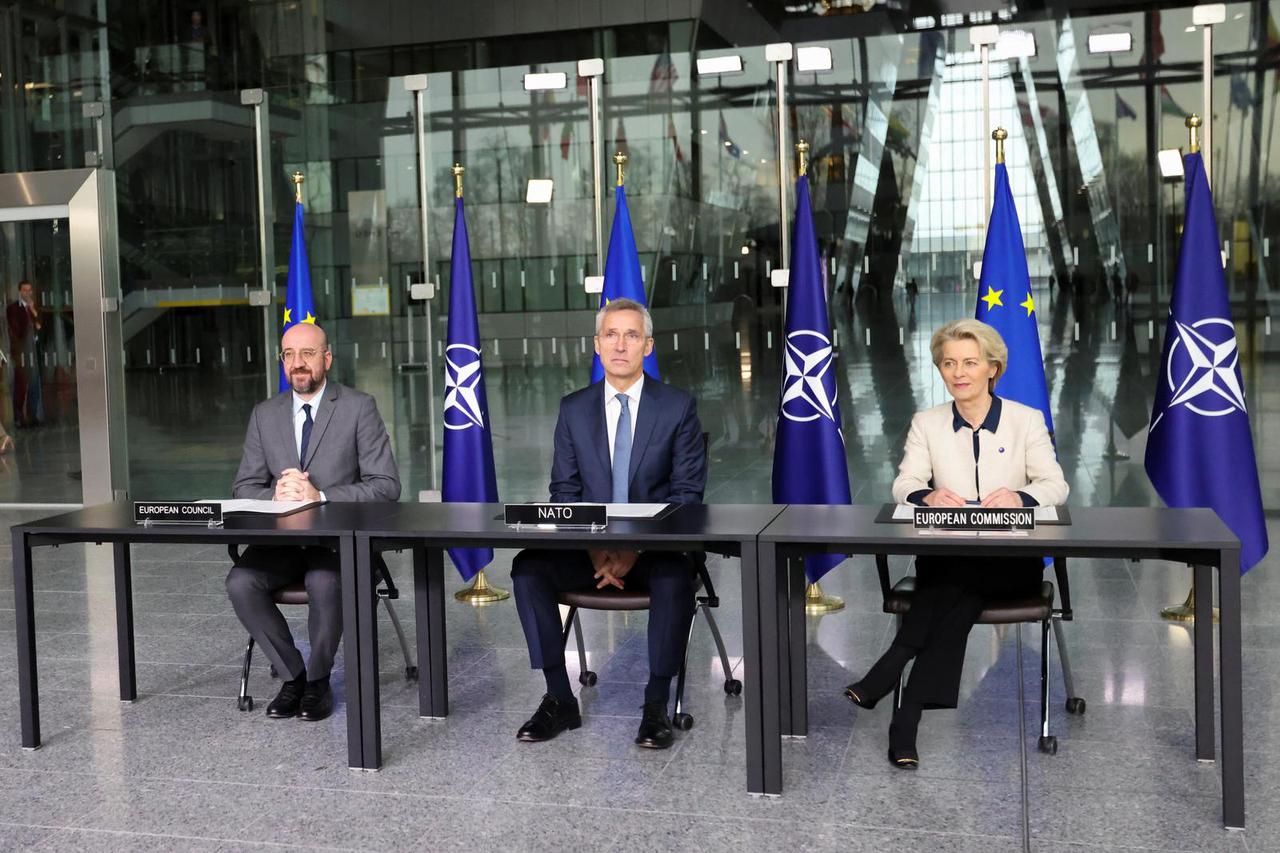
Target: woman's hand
[
  {"x": 1002, "y": 498},
  {"x": 944, "y": 497}
]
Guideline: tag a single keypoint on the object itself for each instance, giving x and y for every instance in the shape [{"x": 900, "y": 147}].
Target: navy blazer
[{"x": 668, "y": 456}]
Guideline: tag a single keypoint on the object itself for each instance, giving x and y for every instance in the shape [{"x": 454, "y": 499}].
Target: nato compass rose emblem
[
  {"x": 808, "y": 390},
  {"x": 1201, "y": 371},
  {"x": 461, "y": 381}
]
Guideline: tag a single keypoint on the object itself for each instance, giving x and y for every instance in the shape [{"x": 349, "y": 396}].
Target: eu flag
[
  {"x": 1199, "y": 449},
  {"x": 1005, "y": 302},
  {"x": 469, "y": 474},
  {"x": 298, "y": 305},
  {"x": 808, "y": 459},
  {"x": 622, "y": 276}
]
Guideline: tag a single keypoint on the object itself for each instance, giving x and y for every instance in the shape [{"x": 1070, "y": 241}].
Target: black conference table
[
  {"x": 331, "y": 525},
  {"x": 429, "y": 528},
  {"x": 1193, "y": 536}
]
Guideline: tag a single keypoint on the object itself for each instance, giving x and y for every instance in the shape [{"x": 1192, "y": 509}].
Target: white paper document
[
  {"x": 261, "y": 507},
  {"x": 634, "y": 510},
  {"x": 906, "y": 512}
]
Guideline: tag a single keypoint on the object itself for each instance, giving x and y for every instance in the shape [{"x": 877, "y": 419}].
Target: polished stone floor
[{"x": 181, "y": 768}]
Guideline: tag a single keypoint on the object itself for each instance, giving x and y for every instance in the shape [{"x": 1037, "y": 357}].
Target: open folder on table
[
  {"x": 635, "y": 510},
  {"x": 261, "y": 507}
]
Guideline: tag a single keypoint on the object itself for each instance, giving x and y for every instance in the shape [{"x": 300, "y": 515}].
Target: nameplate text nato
[
  {"x": 975, "y": 518},
  {"x": 560, "y": 515},
  {"x": 176, "y": 512}
]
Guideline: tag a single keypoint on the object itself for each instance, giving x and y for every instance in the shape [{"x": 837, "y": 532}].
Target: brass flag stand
[
  {"x": 1186, "y": 611},
  {"x": 480, "y": 593}
]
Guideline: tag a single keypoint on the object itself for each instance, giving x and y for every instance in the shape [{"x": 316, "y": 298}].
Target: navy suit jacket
[{"x": 668, "y": 456}]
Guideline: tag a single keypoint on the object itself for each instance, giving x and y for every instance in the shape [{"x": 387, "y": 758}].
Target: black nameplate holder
[
  {"x": 974, "y": 518},
  {"x": 549, "y": 516},
  {"x": 149, "y": 513}
]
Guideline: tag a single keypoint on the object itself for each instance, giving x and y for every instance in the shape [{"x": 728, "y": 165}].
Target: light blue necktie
[{"x": 622, "y": 453}]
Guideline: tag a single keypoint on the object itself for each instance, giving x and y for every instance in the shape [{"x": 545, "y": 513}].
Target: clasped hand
[
  {"x": 1001, "y": 497},
  {"x": 612, "y": 566},
  {"x": 295, "y": 485}
]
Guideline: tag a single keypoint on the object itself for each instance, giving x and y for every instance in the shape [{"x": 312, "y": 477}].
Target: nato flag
[
  {"x": 1006, "y": 303},
  {"x": 622, "y": 276},
  {"x": 808, "y": 460},
  {"x": 1199, "y": 449},
  {"x": 468, "y": 445},
  {"x": 298, "y": 306}
]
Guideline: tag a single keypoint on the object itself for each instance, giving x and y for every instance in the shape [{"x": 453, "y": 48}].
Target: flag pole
[
  {"x": 1186, "y": 611},
  {"x": 480, "y": 593},
  {"x": 816, "y": 602}
]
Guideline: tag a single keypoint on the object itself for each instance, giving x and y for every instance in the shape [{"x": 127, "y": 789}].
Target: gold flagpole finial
[
  {"x": 297, "y": 186},
  {"x": 457, "y": 170},
  {"x": 620, "y": 160},
  {"x": 999, "y": 135},
  {"x": 802, "y": 148},
  {"x": 1193, "y": 124}
]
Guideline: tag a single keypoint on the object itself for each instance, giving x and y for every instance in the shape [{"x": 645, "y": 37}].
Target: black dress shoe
[
  {"x": 907, "y": 759},
  {"x": 286, "y": 703},
  {"x": 655, "y": 728},
  {"x": 859, "y": 695},
  {"x": 317, "y": 701},
  {"x": 552, "y": 717}
]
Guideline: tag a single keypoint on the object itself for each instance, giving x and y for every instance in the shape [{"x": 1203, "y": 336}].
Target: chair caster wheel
[
  {"x": 683, "y": 722},
  {"x": 587, "y": 679},
  {"x": 1075, "y": 705},
  {"x": 410, "y": 673},
  {"x": 245, "y": 704},
  {"x": 1049, "y": 745},
  {"x": 733, "y": 687}
]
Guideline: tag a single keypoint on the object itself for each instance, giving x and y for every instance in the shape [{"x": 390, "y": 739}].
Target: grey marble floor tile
[
  {"x": 103, "y": 840},
  {"x": 1146, "y": 820}
]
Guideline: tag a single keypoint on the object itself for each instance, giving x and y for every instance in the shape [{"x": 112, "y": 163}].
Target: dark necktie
[
  {"x": 622, "y": 453},
  {"x": 306, "y": 436}
]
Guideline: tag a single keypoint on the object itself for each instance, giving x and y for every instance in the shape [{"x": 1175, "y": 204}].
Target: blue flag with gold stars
[
  {"x": 298, "y": 305},
  {"x": 1199, "y": 447},
  {"x": 622, "y": 279},
  {"x": 1005, "y": 302}
]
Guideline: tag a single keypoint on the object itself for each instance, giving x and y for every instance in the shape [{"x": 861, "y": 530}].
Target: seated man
[
  {"x": 318, "y": 441},
  {"x": 626, "y": 438}
]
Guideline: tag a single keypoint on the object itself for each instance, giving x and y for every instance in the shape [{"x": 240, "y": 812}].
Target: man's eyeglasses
[
  {"x": 630, "y": 338},
  {"x": 290, "y": 355}
]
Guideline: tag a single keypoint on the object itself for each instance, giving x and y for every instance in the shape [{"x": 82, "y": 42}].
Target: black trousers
[
  {"x": 263, "y": 569},
  {"x": 950, "y": 595},
  {"x": 538, "y": 576}
]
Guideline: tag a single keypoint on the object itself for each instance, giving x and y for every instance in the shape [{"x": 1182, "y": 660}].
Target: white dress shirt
[{"x": 613, "y": 409}]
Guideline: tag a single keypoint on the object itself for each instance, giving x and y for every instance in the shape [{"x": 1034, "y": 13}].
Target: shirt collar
[
  {"x": 990, "y": 423},
  {"x": 633, "y": 392},
  {"x": 298, "y": 402}
]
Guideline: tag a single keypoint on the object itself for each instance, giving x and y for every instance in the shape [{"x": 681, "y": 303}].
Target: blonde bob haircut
[{"x": 989, "y": 342}]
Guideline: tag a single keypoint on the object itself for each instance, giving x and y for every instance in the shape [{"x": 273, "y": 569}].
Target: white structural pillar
[{"x": 1205, "y": 16}]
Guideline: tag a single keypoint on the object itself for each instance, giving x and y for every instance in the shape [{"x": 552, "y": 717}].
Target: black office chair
[
  {"x": 296, "y": 593},
  {"x": 1039, "y": 608},
  {"x": 612, "y": 598}
]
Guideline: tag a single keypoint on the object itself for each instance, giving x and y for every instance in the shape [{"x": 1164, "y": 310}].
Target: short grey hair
[
  {"x": 990, "y": 344},
  {"x": 624, "y": 304}
]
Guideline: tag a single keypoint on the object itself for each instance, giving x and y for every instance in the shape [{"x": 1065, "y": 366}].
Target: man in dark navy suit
[{"x": 626, "y": 438}]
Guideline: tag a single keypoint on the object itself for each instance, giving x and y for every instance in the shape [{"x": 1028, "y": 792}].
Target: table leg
[
  {"x": 1202, "y": 639},
  {"x": 367, "y": 627},
  {"x": 124, "y": 623},
  {"x": 768, "y": 674},
  {"x": 25, "y": 612},
  {"x": 783, "y": 640},
  {"x": 752, "y": 646},
  {"x": 351, "y": 650},
  {"x": 1229, "y": 664},
  {"x": 433, "y": 660},
  {"x": 797, "y": 651}
]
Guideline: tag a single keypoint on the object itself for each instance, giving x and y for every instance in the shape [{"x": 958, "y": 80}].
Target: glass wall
[{"x": 897, "y": 147}]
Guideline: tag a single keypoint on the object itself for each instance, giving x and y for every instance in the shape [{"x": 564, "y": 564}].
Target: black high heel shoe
[
  {"x": 879, "y": 680},
  {"x": 902, "y": 737},
  {"x": 858, "y": 694}
]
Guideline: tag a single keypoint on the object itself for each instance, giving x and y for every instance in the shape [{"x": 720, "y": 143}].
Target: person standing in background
[{"x": 25, "y": 325}]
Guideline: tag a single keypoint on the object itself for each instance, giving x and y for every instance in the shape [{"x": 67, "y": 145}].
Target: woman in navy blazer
[{"x": 977, "y": 449}]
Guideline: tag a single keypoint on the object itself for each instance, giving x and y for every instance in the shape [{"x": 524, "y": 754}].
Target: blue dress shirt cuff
[
  {"x": 917, "y": 497},
  {"x": 1027, "y": 500}
]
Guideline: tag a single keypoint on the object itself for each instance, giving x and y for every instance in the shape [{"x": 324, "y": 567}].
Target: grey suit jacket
[{"x": 349, "y": 455}]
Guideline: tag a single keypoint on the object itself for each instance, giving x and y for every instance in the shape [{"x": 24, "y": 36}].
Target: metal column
[
  {"x": 417, "y": 84},
  {"x": 257, "y": 99},
  {"x": 593, "y": 70}
]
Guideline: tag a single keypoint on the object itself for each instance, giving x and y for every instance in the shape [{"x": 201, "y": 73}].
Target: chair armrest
[
  {"x": 882, "y": 569},
  {"x": 699, "y": 559},
  {"x": 1064, "y": 587}
]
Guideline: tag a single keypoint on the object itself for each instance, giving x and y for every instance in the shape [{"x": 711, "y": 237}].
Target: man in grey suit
[{"x": 318, "y": 441}]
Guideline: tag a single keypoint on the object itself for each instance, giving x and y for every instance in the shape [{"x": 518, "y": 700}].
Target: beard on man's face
[{"x": 304, "y": 380}]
